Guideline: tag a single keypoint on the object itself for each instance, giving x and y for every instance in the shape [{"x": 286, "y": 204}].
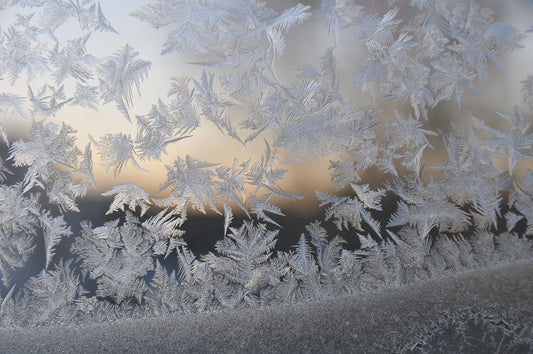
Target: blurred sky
[{"x": 305, "y": 44}]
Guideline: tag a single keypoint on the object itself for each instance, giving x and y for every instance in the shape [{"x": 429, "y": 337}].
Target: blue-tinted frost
[{"x": 473, "y": 214}]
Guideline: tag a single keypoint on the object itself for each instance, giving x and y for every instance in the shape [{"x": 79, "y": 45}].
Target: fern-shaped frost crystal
[{"x": 426, "y": 219}]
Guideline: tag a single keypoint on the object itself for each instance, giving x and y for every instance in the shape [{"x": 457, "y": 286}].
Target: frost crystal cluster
[{"x": 429, "y": 218}]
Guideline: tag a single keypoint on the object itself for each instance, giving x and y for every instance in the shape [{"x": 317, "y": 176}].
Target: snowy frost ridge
[{"x": 477, "y": 211}]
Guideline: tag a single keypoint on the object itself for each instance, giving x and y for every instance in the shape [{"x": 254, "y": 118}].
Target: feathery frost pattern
[{"x": 394, "y": 212}]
